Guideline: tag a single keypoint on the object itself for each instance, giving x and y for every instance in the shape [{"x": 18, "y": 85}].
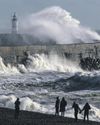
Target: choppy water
[{"x": 45, "y": 78}]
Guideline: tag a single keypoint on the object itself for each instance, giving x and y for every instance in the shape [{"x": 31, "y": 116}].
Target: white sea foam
[
  {"x": 94, "y": 114},
  {"x": 52, "y": 62},
  {"x": 57, "y": 24},
  {"x": 42, "y": 82},
  {"x": 7, "y": 69},
  {"x": 26, "y": 103},
  {"x": 30, "y": 105},
  {"x": 41, "y": 62}
]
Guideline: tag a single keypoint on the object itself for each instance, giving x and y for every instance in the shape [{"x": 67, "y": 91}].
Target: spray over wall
[{"x": 57, "y": 24}]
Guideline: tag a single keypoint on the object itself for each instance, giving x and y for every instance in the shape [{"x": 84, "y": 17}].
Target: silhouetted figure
[
  {"x": 17, "y": 108},
  {"x": 62, "y": 106},
  {"x": 76, "y": 110},
  {"x": 57, "y": 105},
  {"x": 86, "y": 109}
]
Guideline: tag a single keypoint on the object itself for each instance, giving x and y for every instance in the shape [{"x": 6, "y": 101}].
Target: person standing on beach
[
  {"x": 17, "y": 108},
  {"x": 76, "y": 108},
  {"x": 63, "y": 106},
  {"x": 57, "y": 105},
  {"x": 86, "y": 109}
]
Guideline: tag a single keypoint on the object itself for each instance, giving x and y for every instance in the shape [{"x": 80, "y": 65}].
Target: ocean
[{"x": 46, "y": 77}]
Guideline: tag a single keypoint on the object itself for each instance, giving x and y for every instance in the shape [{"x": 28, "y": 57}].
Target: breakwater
[{"x": 70, "y": 51}]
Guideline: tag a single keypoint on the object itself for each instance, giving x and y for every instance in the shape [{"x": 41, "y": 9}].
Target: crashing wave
[
  {"x": 57, "y": 24},
  {"x": 41, "y": 62}
]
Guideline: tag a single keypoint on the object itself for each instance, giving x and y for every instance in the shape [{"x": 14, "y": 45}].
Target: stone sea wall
[{"x": 71, "y": 51}]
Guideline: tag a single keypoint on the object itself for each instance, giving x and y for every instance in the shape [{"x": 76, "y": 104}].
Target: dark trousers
[
  {"x": 16, "y": 114},
  {"x": 86, "y": 115},
  {"x": 76, "y": 116},
  {"x": 57, "y": 111}
]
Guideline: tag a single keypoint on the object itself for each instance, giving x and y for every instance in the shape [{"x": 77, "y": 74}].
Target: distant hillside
[{"x": 21, "y": 39}]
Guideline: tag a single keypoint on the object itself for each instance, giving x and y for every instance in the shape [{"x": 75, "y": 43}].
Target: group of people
[{"x": 61, "y": 105}]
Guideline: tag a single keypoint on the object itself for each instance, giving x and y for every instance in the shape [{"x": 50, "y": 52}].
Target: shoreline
[{"x": 35, "y": 118}]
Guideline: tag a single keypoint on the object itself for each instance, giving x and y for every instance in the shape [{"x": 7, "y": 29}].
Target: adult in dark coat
[
  {"x": 76, "y": 108},
  {"x": 86, "y": 109},
  {"x": 63, "y": 106},
  {"x": 17, "y": 108},
  {"x": 57, "y": 105}
]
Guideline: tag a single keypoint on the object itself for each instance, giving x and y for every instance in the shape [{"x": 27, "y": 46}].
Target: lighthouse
[{"x": 14, "y": 24}]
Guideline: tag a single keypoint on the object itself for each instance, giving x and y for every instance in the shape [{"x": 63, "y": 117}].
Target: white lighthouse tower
[{"x": 14, "y": 24}]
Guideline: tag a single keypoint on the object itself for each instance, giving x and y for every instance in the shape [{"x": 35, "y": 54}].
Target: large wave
[
  {"x": 53, "y": 70},
  {"x": 8, "y": 69},
  {"x": 57, "y": 24},
  {"x": 45, "y": 78},
  {"x": 40, "y": 63},
  {"x": 52, "y": 62}
]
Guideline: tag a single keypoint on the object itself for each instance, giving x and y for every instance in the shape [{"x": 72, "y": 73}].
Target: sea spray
[
  {"x": 52, "y": 62},
  {"x": 38, "y": 91},
  {"x": 41, "y": 62},
  {"x": 30, "y": 105},
  {"x": 57, "y": 24},
  {"x": 26, "y": 103},
  {"x": 8, "y": 69},
  {"x": 45, "y": 78}
]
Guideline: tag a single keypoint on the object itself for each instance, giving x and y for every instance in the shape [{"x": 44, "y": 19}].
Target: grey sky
[{"x": 86, "y": 11}]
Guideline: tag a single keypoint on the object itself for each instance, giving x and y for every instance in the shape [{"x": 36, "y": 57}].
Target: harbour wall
[{"x": 70, "y": 51}]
